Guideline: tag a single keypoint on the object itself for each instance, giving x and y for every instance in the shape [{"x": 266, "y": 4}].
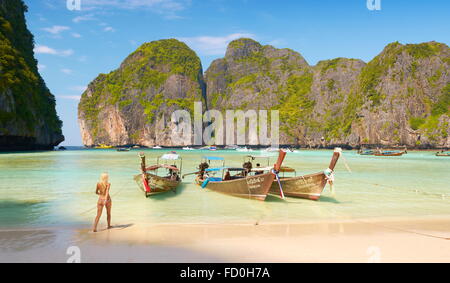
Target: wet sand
[{"x": 420, "y": 240}]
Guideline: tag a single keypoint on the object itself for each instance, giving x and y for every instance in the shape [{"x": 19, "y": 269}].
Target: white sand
[{"x": 424, "y": 240}]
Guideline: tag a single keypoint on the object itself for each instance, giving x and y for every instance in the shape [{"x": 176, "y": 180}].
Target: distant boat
[
  {"x": 379, "y": 152},
  {"x": 232, "y": 147},
  {"x": 103, "y": 146},
  {"x": 443, "y": 154},
  {"x": 123, "y": 149},
  {"x": 213, "y": 148},
  {"x": 390, "y": 153},
  {"x": 153, "y": 183},
  {"x": 366, "y": 152},
  {"x": 244, "y": 149},
  {"x": 157, "y": 147},
  {"x": 188, "y": 148}
]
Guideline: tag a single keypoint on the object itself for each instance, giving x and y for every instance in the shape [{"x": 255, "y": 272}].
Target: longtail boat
[
  {"x": 205, "y": 164},
  {"x": 150, "y": 180},
  {"x": 390, "y": 153},
  {"x": 366, "y": 152},
  {"x": 243, "y": 185},
  {"x": 443, "y": 154},
  {"x": 308, "y": 186},
  {"x": 104, "y": 146}
]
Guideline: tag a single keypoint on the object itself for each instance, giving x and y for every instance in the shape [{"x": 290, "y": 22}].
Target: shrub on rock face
[
  {"x": 28, "y": 118},
  {"x": 132, "y": 105}
]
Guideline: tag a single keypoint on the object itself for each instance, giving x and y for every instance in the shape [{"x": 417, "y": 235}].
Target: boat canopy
[
  {"x": 170, "y": 156},
  {"x": 213, "y": 158}
]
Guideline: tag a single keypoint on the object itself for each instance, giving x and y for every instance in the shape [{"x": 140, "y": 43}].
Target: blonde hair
[{"x": 104, "y": 179}]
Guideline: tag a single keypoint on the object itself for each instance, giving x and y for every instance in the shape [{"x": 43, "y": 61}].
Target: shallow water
[{"x": 57, "y": 188}]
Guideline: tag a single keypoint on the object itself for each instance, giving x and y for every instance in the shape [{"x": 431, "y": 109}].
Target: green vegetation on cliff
[
  {"x": 296, "y": 107},
  {"x": 156, "y": 76},
  {"x": 28, "y": 103}
]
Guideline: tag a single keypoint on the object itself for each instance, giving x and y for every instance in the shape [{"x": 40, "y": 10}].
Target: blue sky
[{"x": 73, "y": 47}]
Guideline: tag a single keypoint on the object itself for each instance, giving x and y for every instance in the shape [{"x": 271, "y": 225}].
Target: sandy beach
[{"x": 386, "y": 241}]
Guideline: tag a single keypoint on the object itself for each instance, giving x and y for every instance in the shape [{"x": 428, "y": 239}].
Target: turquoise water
[{"x": 57, "y": 188}]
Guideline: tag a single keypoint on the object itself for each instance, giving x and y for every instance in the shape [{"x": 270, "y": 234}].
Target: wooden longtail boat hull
[
  {"x": 158, "y": 185},
  {"x": 307, "y": 187},
  {"x": 251, "y": 187},
  {"x": 390, "y": 154},
  {"x": 255, "y": 187},
  {"x": 443, "y": 154}
]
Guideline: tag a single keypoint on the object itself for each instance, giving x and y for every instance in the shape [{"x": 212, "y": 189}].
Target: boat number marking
[{"x": 255, "y": 183}]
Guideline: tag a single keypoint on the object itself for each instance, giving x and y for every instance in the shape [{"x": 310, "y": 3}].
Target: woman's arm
[
  {"x": 107, "y": 191},
  {"x": 97, "y": 190}
]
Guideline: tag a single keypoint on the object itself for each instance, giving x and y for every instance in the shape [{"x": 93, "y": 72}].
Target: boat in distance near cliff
[
  {"x": 443, "y": 154},
  {"x": 152, "y": 182},
  {"x": 390, "y": 153},
  {"x": 244, "y": 183},
  {"x": 366, "y": 152},
  {"x": 379, "y": 152},
  {"x": 104, "y": 146}
]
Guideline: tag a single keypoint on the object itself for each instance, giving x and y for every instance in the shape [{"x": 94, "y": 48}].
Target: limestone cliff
[
  {"x": 28, "y": 118},
  {"x": 134, "y": 104},
  {"x": 401, "y": 97}
]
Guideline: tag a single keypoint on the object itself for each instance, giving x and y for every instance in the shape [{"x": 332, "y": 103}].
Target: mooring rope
[
  {"x": 443, "y": 196},
  {"x": 95, "y": 207}
]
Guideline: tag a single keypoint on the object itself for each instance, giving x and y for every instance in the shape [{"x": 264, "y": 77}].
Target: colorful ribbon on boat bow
[
  {"x": 329, "y": 175},
  {"x": 279, "y": 183}
]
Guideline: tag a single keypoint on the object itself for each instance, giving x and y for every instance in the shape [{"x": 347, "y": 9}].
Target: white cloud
[
  {"x": 42, "y": 49},
  {"x": 88, "y": 17},
  {"x": 213, "y": 45},
  {"x": 56, "y": 29},
  {"x": 66, "y": 71},
  {"x": 41, "y": 67},
  {"x": 109, "y": 29},
  {"x": 69, "y": 97},
  {"x": 76, "y": 35}
]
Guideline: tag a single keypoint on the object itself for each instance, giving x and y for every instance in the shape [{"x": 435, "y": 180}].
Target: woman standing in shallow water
[{"x": 104, "y": 199}]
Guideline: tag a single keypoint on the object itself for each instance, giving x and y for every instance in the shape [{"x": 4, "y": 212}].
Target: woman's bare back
[{"x": 102, "y": 189}]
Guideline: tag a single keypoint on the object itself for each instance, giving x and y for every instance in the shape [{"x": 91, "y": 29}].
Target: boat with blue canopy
[{"x": 240, "y": 182}]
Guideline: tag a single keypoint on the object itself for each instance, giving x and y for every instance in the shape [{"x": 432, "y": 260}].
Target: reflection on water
[
  {"x": 56, "y": 188},
  {"x": 13, "y": 212}
]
